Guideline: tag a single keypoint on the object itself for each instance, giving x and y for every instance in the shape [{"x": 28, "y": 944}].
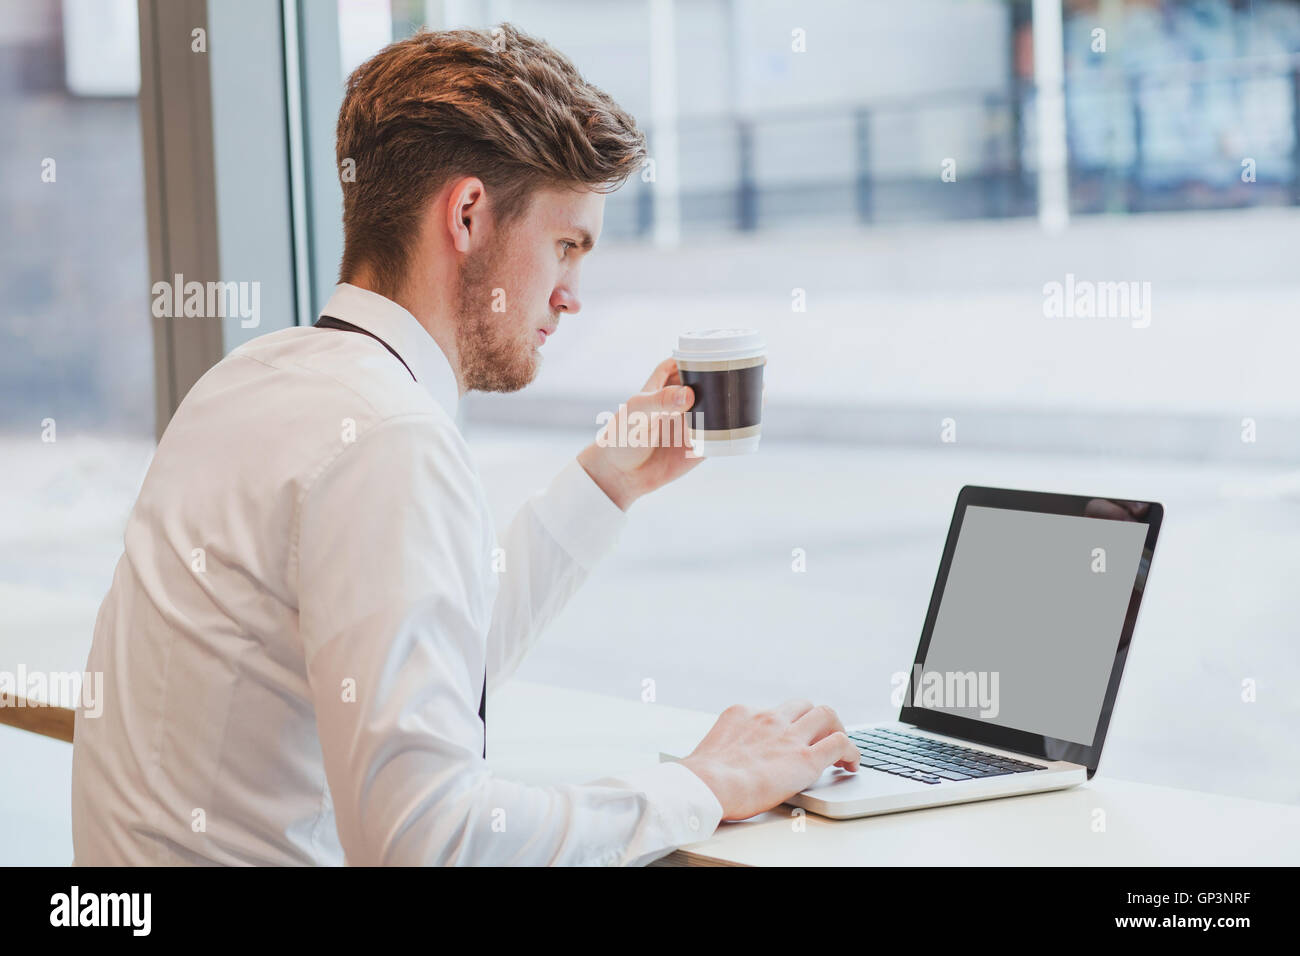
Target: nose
[{"x": 565, "y": 300}]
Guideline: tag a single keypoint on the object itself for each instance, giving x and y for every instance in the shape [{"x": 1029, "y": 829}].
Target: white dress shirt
[{"x": 294, "y": 643}]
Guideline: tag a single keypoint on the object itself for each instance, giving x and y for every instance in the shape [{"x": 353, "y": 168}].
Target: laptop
[{"x": 1020, "y": 658}]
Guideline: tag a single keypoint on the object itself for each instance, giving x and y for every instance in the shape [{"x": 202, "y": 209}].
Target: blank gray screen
[{"x": 1023, "y": 601}]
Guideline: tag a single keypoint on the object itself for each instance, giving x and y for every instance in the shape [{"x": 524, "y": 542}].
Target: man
[{"x": 296, "y": 640}]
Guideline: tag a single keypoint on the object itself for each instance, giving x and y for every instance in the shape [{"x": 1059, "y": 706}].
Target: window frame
[{"x": 220, "y": 207}]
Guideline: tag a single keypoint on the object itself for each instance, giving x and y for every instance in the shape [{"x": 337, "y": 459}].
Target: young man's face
[{"x": 513, "y": 294}]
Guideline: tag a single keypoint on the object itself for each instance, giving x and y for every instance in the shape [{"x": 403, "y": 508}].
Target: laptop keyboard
[{"x": 930, "y": 761}]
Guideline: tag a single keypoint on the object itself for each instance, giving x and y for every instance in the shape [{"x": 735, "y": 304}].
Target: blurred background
[{"x": 887, "y": 190}]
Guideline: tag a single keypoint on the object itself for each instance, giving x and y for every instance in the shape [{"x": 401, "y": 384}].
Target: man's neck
[{"x": 430, "y": 311}]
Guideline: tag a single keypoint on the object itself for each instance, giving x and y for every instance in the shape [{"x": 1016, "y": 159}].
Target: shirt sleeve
[
  {"x": 546, "y": 553},
  {"x": 394, "y": 546}
]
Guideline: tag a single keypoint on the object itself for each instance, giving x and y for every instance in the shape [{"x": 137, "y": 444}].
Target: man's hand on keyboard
[{"x": 754, "y": 760}]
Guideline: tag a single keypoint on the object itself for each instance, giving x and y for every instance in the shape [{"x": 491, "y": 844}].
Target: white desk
[{"x": 545, "y": 735}]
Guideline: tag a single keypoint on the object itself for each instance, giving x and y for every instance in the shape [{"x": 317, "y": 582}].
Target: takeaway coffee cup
[{"x": 725, "y": 368}]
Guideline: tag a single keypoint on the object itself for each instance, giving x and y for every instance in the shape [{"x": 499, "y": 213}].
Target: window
[{"x": 76, "y": 359}]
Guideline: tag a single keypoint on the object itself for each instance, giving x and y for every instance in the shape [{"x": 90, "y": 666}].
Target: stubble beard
[{"x": 493, "y": 356}]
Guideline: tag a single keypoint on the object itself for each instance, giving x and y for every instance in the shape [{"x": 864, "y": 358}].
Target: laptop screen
[{"x": 1030, "y": 618}]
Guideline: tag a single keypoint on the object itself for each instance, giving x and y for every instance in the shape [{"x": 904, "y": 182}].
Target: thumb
[
  {"x": 660, "y": 376},
  {"x": 675, "y": 398}
]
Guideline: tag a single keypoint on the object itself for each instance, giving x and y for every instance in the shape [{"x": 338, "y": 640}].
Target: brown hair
[{"x": 500, "y": 105}]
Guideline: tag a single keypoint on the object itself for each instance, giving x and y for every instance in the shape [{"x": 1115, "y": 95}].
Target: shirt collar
[{"x": 403, "y": 332}]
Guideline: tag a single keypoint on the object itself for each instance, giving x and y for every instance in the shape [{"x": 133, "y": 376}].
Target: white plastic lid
[{"x": 720, "y": 344}]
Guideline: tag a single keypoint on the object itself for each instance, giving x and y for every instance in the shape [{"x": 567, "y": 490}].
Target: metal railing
[{"x": 745, "y": 186}]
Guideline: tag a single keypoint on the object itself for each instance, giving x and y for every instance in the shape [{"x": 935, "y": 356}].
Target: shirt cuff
[
  {"x": 686, "y": 809},
  {"x": 579, "y": 515}
]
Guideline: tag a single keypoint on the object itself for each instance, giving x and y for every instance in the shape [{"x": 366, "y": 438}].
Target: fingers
[
  {"x": 682, "y": 457},
  {"x": 817, "y": 723},
  {"x": 663, "y": 391},
  {"x": 822, "y": 729},
  {"x": 836, "y": 749},
  {"x": 676, "y": 398},
  {"x": 793, "y": 709},
  {"x": 659, "y": 377}
]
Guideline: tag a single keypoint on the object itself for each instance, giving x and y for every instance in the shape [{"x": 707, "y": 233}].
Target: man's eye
[{"x": 566, "y": 245}]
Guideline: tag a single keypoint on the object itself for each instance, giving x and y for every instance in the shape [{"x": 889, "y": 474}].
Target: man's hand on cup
[{"x": 644, "y": 445}]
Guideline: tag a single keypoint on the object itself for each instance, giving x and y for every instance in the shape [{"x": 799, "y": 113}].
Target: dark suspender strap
[{"x": 329, "y": 322}]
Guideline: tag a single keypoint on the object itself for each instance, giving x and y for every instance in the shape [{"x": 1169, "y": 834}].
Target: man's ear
[{"x": 468, "y": 220}]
